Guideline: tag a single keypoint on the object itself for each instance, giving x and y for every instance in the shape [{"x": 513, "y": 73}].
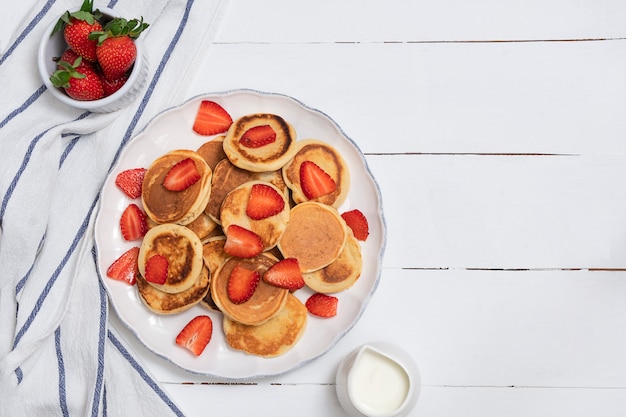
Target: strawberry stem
[
  {"x": 61, "y": 77},
  {"x": 120, "y": 27}
]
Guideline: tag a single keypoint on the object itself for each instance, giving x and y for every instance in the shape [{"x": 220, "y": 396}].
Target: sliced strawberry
[
  {"x": 242, "y": 243},
  {"x": 322, "y": 305},
  {"x": 130, "y": 181},
  {"x": 264, "y": 202},
  {"x": 242, "y": 283},
  {"x": 285, "y": 274},
  {"x": 196, "y": 335},
  {"x": 314, "y": 181},
  {"x": 182, "y": 175},
  {"x": 133, "y": 223},
  {"x": 258, "y": 136},
  {"x": 211, "y": 119},
  {"x": 125, "y": 267},
  {"x": 156, "y": 269},
  {"x": 357, "y": 221}
]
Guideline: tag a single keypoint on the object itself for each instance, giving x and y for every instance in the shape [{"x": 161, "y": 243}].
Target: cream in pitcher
[{"x": 378, "y": 380}]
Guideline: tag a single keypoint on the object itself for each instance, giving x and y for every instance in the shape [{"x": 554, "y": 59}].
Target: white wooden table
[{"x": 497, "y": 133}]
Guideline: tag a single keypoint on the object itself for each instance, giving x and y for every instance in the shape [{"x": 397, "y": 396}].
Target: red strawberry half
[
  {"x": 314, "y": 181},
  {"x": 125, "y": 267},
  {"x": 242, "y": 243},
  {"x": 196, "y": 335},
  {"x": 264, "y": 202},
  {"x": 357, "y": 221},
  {"x": 322, "y": 305},
  {"x": 258, "y": 136},
  {"x": 133, "y": 223},
  {"x": 156, "y": 269},
  {"x": 285, "y": 274},
  {"x": 211, "y": 119},
  {"x": 242, "y": 283},
  {"x": 182, "y": 175},
  {"x": 130, "y": 181}
]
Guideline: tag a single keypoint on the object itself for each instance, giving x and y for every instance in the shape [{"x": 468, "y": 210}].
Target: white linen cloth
[{"x": 59, "y": 354}]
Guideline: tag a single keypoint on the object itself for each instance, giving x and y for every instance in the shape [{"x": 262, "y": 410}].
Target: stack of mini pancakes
[{"x": 188, "y": 228}]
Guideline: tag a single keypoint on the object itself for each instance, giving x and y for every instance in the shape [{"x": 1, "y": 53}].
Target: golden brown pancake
[
  {"x": 269, "y": 229},
  {"x": 270, "y": 157},
  {"x": 227, "y": 177},
  {"x": 182, "y": 207},
  {"x": 315, "y": 235},
  {"x": 183, "y": 250},
  {"x": 203, "y": 226},
  {"x": 214, "y": 256},
  {"x": 342, "y": 273},
  {"x": 212, "y": 151},
  {"x": 164, "y": 303},
  {"x": 272, "y": 338},
  {"x": 327, "y": 158},
  {"x": 266, "y": 301}
]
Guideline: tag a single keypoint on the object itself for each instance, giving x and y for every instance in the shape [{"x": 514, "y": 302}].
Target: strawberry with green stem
[
  {"x": 80, "y": 81},
  {"x": 77, "y": 26},
  {"x": 116, "y": 51}
]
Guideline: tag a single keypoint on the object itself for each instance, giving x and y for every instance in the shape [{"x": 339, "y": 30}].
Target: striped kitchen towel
[{"x": 59, "y": 353}]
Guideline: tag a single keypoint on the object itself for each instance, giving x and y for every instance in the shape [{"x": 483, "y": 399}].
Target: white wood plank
[
  {"x": 453, "y": 211},
  {"x": 315, "y": 401},
  {"x": 483, "y": 329},
  {"x": 421, "y": 20},
  {"x": 546, "y": 97}
]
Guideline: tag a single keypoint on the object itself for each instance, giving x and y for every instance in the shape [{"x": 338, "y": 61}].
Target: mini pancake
[
  {"x": 272, "y": 338},
  {"x": 315, "y": 235},
  {"x": 182, "y": 207},
  {"x": 164, "y": 303},
  {"x": 212, "y": 151},
  {"x": 266, "y": 301},
  {"x": 327, "y": 158},
  {"x": 203, "y": 226},
  {"x": 269, "y": 229},
  {"x": 270, "y": 157},
  {"x": 342, "y": 273},
  {"x": 227, "y": 177},
  {"x": 214, "y": 256},
  {"x": 183, "y": 250}
]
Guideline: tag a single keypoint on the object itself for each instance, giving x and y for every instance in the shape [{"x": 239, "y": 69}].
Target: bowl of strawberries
[{"x": 93, "y": 59}]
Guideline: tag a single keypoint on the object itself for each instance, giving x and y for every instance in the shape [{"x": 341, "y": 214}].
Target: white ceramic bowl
[
  {"x": 378, "y": 379},
  {"x": 52, "y": 47}
]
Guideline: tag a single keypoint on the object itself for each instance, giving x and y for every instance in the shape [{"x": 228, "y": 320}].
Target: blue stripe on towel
[
  {"x": 22, "y": 282},
  {"x": 27, "y": 30},
  {"x": 61, "y": 369},
  {"x": 44, "y": 294},
  {"x": 97, "y": 395},
  {"x": 22, "y": 168},
  {"x": 144, "y": 375},
  {"x": 68, "y": 149},
  {"x": 30, "y": 100}
]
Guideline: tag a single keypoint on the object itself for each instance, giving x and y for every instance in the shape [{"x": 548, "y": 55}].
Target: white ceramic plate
[{"x": 170, "y": 130}]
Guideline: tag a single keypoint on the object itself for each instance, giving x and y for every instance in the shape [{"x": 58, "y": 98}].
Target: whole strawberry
[
  {"x": 111, "y": 86},
  {"x": 77, "y": 27},
  {"x": 79, "y": 80},
  {"x": 116, "y": 50}
]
